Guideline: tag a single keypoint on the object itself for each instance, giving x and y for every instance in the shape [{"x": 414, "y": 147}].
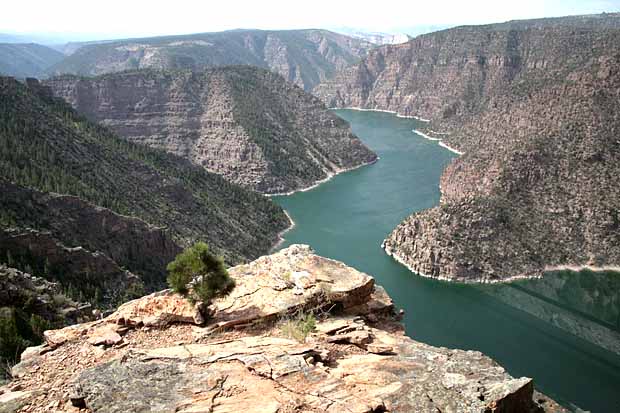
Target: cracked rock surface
[{"x": 180, "y": 364}]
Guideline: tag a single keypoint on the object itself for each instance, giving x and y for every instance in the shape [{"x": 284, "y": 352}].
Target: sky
[{"x": 135, "y": 18}]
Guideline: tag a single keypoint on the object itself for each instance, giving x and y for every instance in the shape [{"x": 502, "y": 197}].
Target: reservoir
[{"x": 563, "y": 330}]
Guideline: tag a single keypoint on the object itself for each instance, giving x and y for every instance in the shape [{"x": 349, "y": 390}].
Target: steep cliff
[
  {"x": 28, "y": 306},
  {"x": 160, "y": 351},
  {"x": 45, "y": 145},
  {"x": 70, "y": 223},
  {"x": 534, "y": 107},
  {"x": 304, "y": 57},
  {"x": 244, "y": 123}
]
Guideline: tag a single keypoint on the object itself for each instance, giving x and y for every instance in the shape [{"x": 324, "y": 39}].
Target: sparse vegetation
[
  {"x": 17, "y": 332},
  {"x": 299, "y": 326},
  {"x": 199, "y": 274}
]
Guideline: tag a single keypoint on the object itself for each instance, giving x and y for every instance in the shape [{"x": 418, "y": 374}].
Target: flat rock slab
[
  {"x": 12, "y": 401},
  {"x": 272, "y": 374},
  {"x": 287, "y": 281}
]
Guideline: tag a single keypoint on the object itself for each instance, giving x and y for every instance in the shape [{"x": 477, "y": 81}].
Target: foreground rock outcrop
[
  {"x": 158, "y": 354},
  {"x": 533, "y": 107},
  {"x": 244, "y": 123}
]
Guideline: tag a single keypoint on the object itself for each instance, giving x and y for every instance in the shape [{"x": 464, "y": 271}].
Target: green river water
[{"x": 563, "y": 330}]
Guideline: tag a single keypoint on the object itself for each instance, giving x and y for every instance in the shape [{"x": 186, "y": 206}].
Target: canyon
[
  {"x": 531, "y": 105},
  {"x": 244, "y": 123}
]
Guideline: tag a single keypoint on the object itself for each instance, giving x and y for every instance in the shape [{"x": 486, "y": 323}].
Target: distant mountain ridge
[
  {"x": 378, "y": 38},
  {"x": 27, "y": 59},
  {"x": 533, "y": 104},
  {"x": 244, "y": 123},
  {"x": 304, "y": 57}
]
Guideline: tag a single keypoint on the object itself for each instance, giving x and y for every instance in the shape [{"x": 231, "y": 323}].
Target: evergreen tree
[{"x": 197, "y": 268}]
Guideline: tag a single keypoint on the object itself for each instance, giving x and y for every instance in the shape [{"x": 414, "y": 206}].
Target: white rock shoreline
[
  {"x": 283, "y": 232},
  {"x": 577, "y": 268},
  {"x": 441, "y": 143},
  {"x": 400, "y": 260},
  {"x": 330, "y": 175},
  {"x": 398, "y": 115},
  {"x": 292, "y": 222}
]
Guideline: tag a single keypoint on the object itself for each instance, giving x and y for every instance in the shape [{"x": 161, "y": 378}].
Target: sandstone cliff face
[
  {"x": 158, "y": 351},
  {"x": 74, "y": 268},
  {"x": 243, "y": 123},
  {"x": 533, "y": 106},
  {"x": 455, "y": 73},
  {"x": 42, "y": 298},
  {"x": 304, "y": 57}
]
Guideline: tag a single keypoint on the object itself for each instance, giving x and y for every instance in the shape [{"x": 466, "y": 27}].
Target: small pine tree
[{"x": 197, "y": 268}]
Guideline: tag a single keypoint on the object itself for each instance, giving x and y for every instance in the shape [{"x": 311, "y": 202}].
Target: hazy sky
[{"x": 120, "y": 18}]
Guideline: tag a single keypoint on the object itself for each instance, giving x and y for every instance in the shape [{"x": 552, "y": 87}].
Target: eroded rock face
[
  {"x": 533, "y": 105},
  {"x": 65, "y": 263},
  {"x": 243, "y": 123},
  {"x": 347, "y": 364},
  {"x": 129, "y": 242}
]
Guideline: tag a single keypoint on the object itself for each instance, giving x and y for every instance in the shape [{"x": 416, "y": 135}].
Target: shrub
[
  {"x": 299, "y": 326},
  {"x": 202, "y": 271},
  {"x": 12, "y": 342}
]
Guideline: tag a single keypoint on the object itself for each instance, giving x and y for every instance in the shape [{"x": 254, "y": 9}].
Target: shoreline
[
  {"x": 441, "y": 143},
  {"x": 281, "y": 234},
  {"x": 579, "y": 268},
  {"x": 330, "y": 175},
  {"x": 507, "y": 280},
  {"x": 398, "y": 115}
]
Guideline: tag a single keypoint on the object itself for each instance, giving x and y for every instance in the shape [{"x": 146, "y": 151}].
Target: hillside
[
  {"x": 533, "y": 104},
  {"x": 304, "y": 57},
  {"x": 46, "y": 146},
  {"x": 27, "y": 59},
  {"x": 244, "y": 123}
]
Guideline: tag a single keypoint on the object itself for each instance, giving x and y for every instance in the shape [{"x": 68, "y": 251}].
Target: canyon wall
[
  {"x": 244, "y": 123},
  {"x": 534, "y": 108}
]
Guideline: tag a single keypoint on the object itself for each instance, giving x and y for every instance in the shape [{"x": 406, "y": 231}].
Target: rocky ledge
[{"x": 160, "y": 353}]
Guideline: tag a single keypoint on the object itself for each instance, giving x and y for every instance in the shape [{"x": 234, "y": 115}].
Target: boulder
[
  {"x": 309, "y": 281},
  {"x": 158, "y": 310}
]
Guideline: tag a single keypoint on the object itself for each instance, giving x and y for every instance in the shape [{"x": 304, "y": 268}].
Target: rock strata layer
[
  {"x": 347, "y": 364},
  {"x": 533, "y": 106},
  {"x": 78, "y": 228},
  {"x": 244, "y": 123}
]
